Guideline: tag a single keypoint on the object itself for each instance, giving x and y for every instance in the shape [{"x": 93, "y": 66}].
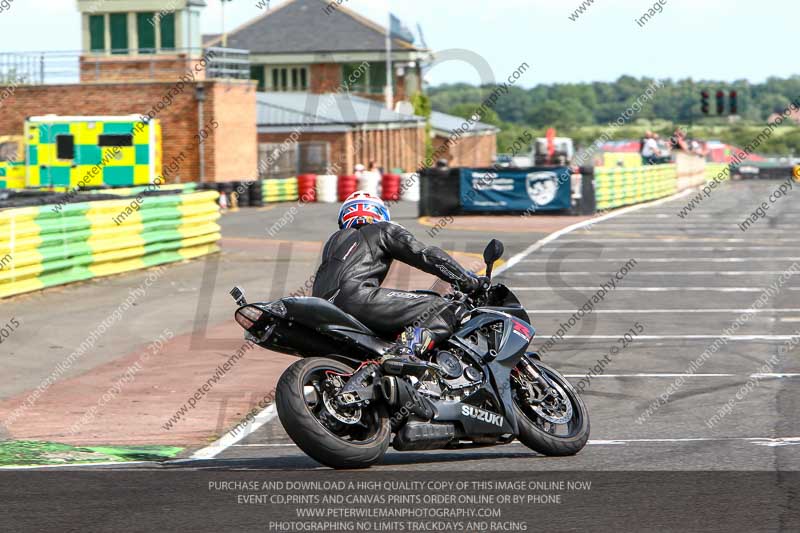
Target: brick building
[
  {"x": 313, "y": 47},
  {"x": 461, "y": 143},
  {"x": 316, "y": 46}
]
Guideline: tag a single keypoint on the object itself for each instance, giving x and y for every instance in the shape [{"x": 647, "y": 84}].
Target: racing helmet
[{"x": 360, "y": 208}]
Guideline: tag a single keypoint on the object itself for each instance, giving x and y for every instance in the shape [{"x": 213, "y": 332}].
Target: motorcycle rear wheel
[
  {"x": 307, "y": 418},
  {"x": 538, "y": 426}
]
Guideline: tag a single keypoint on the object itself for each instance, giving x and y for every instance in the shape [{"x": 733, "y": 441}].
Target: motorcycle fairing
[{"x": 497, "y": 367}]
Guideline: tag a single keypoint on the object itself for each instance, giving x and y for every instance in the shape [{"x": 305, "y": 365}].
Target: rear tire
[
  {"x": 308, "y": 431},
  {"x": 539, "y": 440}
]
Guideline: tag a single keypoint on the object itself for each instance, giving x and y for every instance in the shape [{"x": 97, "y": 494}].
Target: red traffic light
[
  {"x": 720, "y": 102},
  {"x": 733, "y": 101},
  {"x": 704, "y": 105}
]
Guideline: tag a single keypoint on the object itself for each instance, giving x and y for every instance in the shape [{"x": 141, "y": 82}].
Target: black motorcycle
[{"x": 479, "y": 388}]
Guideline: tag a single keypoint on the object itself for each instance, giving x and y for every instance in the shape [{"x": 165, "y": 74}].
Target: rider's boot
[{"x": 404, "y": 356}]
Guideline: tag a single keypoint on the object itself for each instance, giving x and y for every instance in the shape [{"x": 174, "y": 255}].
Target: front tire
[
  {"x": 328, "y": 442},
  {"x": 543, "y": 436}
]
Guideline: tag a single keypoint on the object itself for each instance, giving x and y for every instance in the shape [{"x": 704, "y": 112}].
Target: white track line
[
  {"x": 676, "y": 230},
  {"x": 683, "y": 240},
  {"x": 759, "y": 441},
  {"x": 652, "y": 289},
  {"x": 670, "y": 248},
  {"x": 651, "y": 311},
  {"x": 657, "y": 273},
  {"x": 689, "y": 337},
  {"x": 590, "y": 222},
  {"x": 683, "y": 374},
  {"x": 668, "y": 259},
  {"x": 229, "y": 439}
]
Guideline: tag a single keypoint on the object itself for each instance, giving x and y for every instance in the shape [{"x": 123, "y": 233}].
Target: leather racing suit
[{"x": 355, "y": 262}]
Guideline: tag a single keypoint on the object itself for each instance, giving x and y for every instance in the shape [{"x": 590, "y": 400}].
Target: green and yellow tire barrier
[
  {"x": 283, "y": 190},
  {"x": 617, "y": 187},
  {"x": 43, "y": 246},
  {"x": 715, "y": 169}
]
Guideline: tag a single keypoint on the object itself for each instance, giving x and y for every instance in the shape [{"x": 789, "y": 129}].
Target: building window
[
  {"x": 361, "y": 78},
  {"x": 167, "y": 23},
  {"x": 97, "y": 33},
  {"x": 377, "y": 77},
  {"x": 146, "y": 31},
  {"x": 118, "y": 22},
  {"x": 65, "y": 147},
  {"x": 257, "y": 74},
  {"x": 288, "y": 79}
]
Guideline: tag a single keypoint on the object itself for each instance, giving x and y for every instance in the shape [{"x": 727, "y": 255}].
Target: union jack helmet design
[{"x": 360, "y": 208}]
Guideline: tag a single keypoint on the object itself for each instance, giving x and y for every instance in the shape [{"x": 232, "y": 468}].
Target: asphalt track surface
[{"x": 694, "y": 278}]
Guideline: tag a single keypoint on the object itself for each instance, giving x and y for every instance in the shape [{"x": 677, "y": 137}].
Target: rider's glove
[{"x": 473, "y": 283}]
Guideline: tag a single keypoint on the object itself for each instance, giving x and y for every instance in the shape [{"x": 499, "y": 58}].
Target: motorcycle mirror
[{"x": 494, "y": 251}]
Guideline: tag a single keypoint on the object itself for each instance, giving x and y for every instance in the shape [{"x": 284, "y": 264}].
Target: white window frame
[{"x": 291, "y": 87}]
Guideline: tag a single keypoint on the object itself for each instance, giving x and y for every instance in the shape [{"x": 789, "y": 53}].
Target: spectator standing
[{"x": 650, "y": 151}]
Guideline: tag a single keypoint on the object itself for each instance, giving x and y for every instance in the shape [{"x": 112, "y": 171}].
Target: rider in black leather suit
[{"x": 355, "y": 262}]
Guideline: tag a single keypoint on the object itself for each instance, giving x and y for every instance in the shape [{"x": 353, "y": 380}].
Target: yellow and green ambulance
[
  {"x": 12, "y": 164},
  {"x": 67, "y": 151}
]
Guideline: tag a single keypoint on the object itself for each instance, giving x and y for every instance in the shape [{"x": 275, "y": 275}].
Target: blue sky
[{"x": 704, "y": 39}]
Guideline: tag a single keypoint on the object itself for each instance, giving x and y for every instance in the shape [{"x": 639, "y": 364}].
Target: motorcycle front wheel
[
  {"x": 335, "y": 437},
  {"x": 552, "y": 418}
]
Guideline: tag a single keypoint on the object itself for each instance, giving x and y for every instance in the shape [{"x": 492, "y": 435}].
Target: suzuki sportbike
[{"x": 481, "y": 387}]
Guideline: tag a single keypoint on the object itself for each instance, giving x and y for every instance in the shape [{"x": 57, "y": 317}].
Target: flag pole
[
  {"x": 389, "y": 89},
  {"x": 224, "y": 35}
]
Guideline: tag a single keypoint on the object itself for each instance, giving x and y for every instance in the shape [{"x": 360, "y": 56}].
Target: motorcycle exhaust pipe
[
  {"x": 389, "y": 390},
  {"x": 400, "y": 394}
]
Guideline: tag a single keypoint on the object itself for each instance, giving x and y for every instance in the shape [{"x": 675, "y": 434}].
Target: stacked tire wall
[
  {"x": 280, "y": 190},
  {"x": 55, "y": 244},
  {"x": 618, "y": 186}
]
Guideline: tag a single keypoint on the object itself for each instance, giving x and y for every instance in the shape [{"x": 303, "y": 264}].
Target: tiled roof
[{"x": 310, "y": 26}]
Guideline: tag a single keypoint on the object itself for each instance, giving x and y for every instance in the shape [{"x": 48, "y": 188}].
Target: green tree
[
  {"x": 488, "y": 116},
  {"x": 423, "y": 108}
]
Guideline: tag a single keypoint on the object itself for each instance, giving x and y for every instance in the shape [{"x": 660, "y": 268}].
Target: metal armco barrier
[
  {"x": 617, "y": 186},
  {"x": 56, "y": 244},
  {"x": 280, "y": 190}
]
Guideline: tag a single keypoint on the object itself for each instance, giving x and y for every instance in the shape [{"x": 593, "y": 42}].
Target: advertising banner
[{"x": 526, "y": 189}]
